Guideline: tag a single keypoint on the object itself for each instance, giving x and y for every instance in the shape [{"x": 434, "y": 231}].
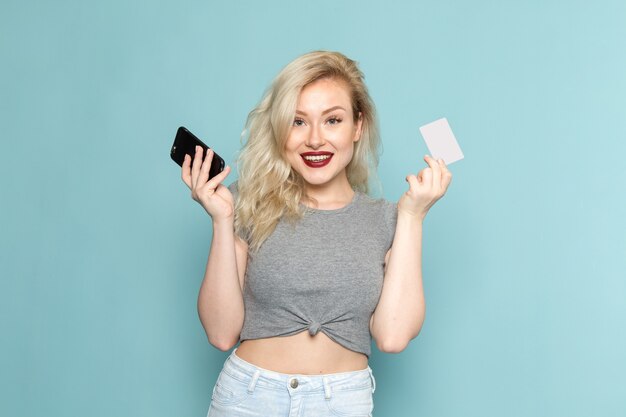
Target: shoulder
[
  {"x": 383, "y": 206},
  {"x": 242, "y": 232},
  {"x": 382, "y": 214},
  {"x": 233, "y": 186},
  {"x": 233, "y": 189}
]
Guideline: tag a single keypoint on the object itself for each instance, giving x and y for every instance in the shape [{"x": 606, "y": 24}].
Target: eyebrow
[{"x": 325, "y": 111}]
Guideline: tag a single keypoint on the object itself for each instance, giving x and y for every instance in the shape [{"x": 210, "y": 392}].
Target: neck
[{"x": 325, "y": 198}]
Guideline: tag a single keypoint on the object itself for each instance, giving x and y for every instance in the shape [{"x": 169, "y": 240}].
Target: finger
[
  {"x": 427, "y": 177},
  {"x": 195, "y": 168},
  {"x": 414, "y": 183},
  {"x": 186, "y": 171},
  {"x": 203, "y": 176},
  {"x": 438, "y": 181},
  {"x": 217, "y": 180},
  {"x": 436, "y": 170},
  {"x": 446, "y": 175},
  {"x": 443, "y": 166},
  {"x": 447, "y": 179}
]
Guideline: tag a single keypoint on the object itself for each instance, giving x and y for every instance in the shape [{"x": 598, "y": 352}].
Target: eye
[
  {"x": 334, "y": 120},
  {"x": 298, "y": 122}
]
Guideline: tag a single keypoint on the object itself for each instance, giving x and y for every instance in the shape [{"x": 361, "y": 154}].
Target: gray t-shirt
[{"x": 322, "y": 273}]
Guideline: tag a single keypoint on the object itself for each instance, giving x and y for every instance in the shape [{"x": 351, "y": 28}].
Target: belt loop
[
  {"x": 326, "y": 388},
  {"x": 252, "y": 384},
  {"x": 373, "y": 379}
]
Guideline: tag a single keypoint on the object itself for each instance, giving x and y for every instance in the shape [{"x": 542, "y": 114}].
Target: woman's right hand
[{"x": 216, "y": 199}]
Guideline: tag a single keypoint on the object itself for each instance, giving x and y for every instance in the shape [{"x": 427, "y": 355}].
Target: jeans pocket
[
  {"x": 229, "y": 391},
  {"x": 351, "y": 402}
]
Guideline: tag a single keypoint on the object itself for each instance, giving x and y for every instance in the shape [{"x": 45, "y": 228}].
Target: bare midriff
[{"x": 301, "y": 354}]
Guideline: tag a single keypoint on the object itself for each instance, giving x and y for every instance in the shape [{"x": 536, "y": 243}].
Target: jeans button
[{"x": 294, "y": 383}]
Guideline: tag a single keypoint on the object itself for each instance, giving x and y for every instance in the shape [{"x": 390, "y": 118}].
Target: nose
[{"x": 314, "y": 139}]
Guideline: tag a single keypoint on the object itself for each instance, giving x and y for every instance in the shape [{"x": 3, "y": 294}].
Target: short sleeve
[
  {"x": 235, "y": 192},
  {"x": 391, "y": 217}
]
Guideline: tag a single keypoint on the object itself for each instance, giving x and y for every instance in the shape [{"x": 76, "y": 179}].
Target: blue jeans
[{"x": 244, "y": 389}]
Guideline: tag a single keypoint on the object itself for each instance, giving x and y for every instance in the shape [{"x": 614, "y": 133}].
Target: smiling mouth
[{"x": 316, "y": 159}]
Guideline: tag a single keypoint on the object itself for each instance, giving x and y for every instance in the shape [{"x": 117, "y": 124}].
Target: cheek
[
  {"x": 351, "y": 155},
  {"x": 291, "y": 155},
  {"x": 293, "y": 141}
]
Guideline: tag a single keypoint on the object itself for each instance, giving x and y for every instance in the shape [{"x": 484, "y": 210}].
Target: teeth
[{"x": 317, "y": 158}]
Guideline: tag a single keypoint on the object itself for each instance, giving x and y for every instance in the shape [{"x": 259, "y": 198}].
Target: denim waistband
[{"x": 253, "y": 375}]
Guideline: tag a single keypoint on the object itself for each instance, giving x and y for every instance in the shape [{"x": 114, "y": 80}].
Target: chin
[{"x": 316, "y": 181}]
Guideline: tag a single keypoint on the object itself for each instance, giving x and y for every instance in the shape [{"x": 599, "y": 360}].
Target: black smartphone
[{"x": 185, "y": 143}]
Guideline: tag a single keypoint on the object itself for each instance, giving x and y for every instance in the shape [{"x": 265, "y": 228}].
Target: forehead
[{"x": 325, "y": 92}]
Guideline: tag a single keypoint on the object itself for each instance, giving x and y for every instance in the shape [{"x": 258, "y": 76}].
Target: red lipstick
[{"x": 316, "y": 159}]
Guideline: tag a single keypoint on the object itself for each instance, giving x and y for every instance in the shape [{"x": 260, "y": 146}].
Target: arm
[
  {"x": 399, "y": 315},
  {"x": 220, "y": 299},
  {"x": 400, "y": 312}
]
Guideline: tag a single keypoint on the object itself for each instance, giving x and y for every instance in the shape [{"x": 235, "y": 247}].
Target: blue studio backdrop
[{"x": 102, "y": 250}]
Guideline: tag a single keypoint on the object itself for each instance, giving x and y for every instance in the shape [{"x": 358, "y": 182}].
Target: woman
[{"x": 305, "y": 268}]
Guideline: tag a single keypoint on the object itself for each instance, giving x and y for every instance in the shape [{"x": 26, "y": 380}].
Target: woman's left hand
[{"x": 425, "y": 188}]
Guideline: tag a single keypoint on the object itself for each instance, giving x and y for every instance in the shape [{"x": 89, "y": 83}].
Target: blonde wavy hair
[{"x": 268, "y": 187}]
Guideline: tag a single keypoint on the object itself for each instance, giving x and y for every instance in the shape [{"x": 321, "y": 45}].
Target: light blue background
[{"x": 102, "y": 249}]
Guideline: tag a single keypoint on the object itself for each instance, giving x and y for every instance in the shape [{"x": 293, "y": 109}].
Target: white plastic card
[{"x": 441, "y": 141}]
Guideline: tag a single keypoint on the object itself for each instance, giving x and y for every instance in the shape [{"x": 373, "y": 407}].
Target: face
[{"x": 322, "y": 137}]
